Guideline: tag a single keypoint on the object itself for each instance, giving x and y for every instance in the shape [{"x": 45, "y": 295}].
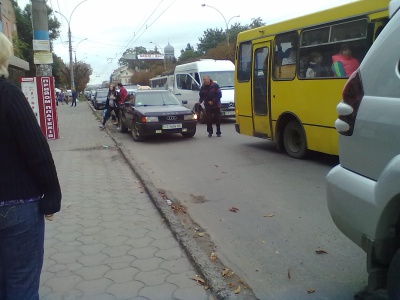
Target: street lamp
[
  {"x": 226, "y": 22},
  {"x": 76, "y": 48},
  {"x": 70, "y": 44},
  {"x": 165, "y": 64}
]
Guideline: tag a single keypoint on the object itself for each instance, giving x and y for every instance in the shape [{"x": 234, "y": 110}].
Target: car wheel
[
  {"x": 393, "y": 279},
  {"x": 188, "y": 134},
  {"x": 135, "y": 134},
  {"x": 121, "y": 125},
  {"x": 294, "y": 139}
]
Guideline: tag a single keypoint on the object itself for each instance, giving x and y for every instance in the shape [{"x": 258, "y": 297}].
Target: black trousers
[
  {"x": 213, "y": 115},
  {"x": 108, "y": 114}
]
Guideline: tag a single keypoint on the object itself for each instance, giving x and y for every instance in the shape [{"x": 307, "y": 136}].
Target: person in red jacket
[
  {"x": 343, "y": 64},
  {"x": 122, "y": 94}
]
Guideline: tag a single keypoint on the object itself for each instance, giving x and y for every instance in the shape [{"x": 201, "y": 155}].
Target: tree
[
  {"x": 82, "y": 72},
  {"x": 188, "y": 54},
  {"x": 257, "y": 22},
  {"x": 23, "y": 45},
  {"x": 210, "y": 39},
  {"x": 133, "y": 63}
]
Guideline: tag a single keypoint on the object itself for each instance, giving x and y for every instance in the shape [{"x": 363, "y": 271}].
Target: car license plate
[
  {"x": 229, "y": 113},
  {"x": 171, "y": 126}
]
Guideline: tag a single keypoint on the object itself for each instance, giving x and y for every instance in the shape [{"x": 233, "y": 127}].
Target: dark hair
[
  {"x": 120, "y": 84},
  {"x": 344, "y": 47},
  {"x": 314, "y": 55}
]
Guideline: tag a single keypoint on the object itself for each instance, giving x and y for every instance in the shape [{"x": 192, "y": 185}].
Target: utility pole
[{"x": 41, "y": 44}]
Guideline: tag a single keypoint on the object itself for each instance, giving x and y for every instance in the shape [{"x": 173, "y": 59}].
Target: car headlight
[
  {"x": 149, "y": 119},
  {"x": 190, "y": 117}
]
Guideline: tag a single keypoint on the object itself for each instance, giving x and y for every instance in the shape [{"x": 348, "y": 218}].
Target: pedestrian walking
[
  {"x": 74, "y": 95},
  {"x": 29, "y": 189},
  {"x": 61, "y": 97},
  {"x": 111, "y": 105},
  {"x": 210, "y": 94}
]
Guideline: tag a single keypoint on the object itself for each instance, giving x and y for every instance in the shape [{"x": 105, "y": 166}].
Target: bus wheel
[
  {"x": 393, "y": 279},
  {"x": 294, "y": 140}
]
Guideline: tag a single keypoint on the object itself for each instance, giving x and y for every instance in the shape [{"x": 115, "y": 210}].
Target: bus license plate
[{"x": 171, "y": 126}]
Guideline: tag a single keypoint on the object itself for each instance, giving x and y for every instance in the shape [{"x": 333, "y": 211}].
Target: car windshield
[
  {"x": 155, "y": 99},
  {"x": 223, "y": 78}
]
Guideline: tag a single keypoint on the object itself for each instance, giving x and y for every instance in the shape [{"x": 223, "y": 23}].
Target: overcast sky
[{"x": 110, "y": 27}]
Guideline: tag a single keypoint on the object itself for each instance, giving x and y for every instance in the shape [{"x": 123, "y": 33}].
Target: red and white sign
[{"x": 40, "y": 93}]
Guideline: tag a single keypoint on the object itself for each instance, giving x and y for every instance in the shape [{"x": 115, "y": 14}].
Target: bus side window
[
  {"x": 285, "y": 55},
  {"x": 244, "y": 62}
]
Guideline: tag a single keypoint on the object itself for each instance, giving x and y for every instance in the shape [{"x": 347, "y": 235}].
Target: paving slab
[{"x": 109, "y": 240}]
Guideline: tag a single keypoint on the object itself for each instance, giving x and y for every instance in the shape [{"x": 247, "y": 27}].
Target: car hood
[{"x": 163, "y": 110}]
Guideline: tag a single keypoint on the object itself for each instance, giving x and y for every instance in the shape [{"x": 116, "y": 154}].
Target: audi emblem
[{"x": 171, "y": 118}]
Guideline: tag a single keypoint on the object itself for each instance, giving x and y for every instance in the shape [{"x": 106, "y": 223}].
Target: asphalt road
[{"x": 282, "y": 220}]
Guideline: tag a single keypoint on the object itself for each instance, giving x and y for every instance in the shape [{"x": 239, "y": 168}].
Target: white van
[
  {"x": 363, "y": 191},
  {"x": 188, "y": 79}
]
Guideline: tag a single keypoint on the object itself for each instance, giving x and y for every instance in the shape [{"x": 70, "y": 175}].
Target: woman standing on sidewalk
[
  {"x": 110, "y": 105},
  {"x": 29, "y": 189}
]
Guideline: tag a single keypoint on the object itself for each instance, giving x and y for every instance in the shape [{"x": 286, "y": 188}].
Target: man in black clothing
[{"x": 210, "y": 94}]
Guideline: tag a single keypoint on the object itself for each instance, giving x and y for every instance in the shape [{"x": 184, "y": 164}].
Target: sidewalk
[{"x": 109, "y": 241}]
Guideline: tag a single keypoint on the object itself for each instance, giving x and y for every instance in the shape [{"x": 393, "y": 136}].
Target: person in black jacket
[
  {"x": 210, "y": 94},
  {"x": 29, "y": 189}
]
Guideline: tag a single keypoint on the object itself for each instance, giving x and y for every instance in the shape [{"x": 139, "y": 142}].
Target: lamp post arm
[{"x": 75, "y": 8}]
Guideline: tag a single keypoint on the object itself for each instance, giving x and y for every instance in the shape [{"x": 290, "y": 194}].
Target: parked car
[
  {"x": 100, "y": 98},
  {"x": 87, "y": 95},
  {"x": 92, "y": 94},
  {"x": 156, "y": 112},
  {"x": 363, "y": 191}
]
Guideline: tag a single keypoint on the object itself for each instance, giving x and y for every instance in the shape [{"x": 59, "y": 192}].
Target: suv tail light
[{"x": 347, "y": 109}]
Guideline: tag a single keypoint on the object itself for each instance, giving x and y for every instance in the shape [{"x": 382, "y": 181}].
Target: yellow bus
[{"x": 289, "y": 75}]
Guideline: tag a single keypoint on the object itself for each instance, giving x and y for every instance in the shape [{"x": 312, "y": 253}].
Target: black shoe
[
  {"x": 218, "y": 135},
  {"x": 210, "y": 135}
]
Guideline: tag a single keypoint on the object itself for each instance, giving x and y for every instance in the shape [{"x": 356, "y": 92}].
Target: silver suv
[{"x": 363, "y": 191}]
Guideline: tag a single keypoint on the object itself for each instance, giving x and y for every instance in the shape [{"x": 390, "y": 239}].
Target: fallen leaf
[
  {"x": 269, "y": 216},
  {"x": 213, "y": 256},
  {"x": 201, "y": 234},
  {"x": 310, "y": 291},
  {"x": 288, "y": 273},
  {"x": 231, "y": 285},
  {"x": 321, "y": 252},
  {"x": 234, "y": 209},
  {"x": 227, "y": 272},
  {"x": 237, "y": 291},
  {"x": 199, "y": 280}
]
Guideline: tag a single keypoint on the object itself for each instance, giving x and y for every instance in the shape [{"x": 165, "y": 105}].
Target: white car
[{"x": 363, "y": 191}]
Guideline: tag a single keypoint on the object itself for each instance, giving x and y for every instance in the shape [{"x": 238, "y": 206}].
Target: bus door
[{"x": 260, "y": 90}]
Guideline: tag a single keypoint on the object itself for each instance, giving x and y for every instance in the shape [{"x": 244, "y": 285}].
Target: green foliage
[
  {"x": 23, "y": 43},
  {"x": 210, "y": 39}
]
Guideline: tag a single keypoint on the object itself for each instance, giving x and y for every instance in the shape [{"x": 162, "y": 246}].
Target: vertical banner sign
[{"x": 40, "y": 93}]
